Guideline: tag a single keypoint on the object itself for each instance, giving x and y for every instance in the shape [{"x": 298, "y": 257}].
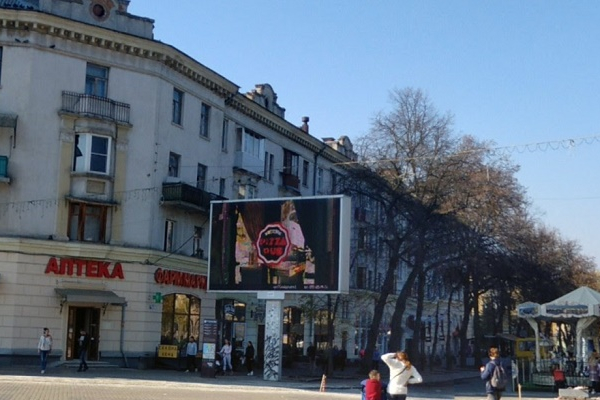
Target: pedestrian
[
  {"x": 487, "y": 372},
  {"x": 375, "y": 359},
  {"x": 593, "y": 368},
  {"x": 402, "y": 372},
  {"x": 373, "y": 386},
  {"x": 311, "y": 352},
  {"x": 44, "y": 348},
  {"x": 249, "y": 355},
  {"x": 191, "y": 349},
  {"x": 84, "y": 342},
  {"x": 226, "y": 355},
  {"x": 343, "y": 355}
]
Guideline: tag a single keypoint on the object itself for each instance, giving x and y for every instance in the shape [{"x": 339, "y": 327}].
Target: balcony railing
[
  {"x": 188, "y": 196},
  {"x": 95, "y": 106},
  {"x": 290, "y": 180}
]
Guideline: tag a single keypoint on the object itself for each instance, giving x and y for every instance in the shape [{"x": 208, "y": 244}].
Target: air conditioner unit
[{"x": 173, "y": 179}]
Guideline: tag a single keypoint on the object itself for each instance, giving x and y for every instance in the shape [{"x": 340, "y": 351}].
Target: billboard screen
[{"x": 294, "y": 244}]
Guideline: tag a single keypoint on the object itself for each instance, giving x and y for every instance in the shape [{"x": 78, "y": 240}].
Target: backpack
[{"x": 499, "y": 379}]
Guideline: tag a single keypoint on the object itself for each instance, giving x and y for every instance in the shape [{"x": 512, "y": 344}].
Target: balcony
[
  {"x": 95, "y": 106},
  {"x": 290, "y": 181},
  {"x": 187, "y": 197}
]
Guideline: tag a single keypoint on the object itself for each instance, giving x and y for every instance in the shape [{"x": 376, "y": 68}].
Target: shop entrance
[{"x": 88, "y": 319}]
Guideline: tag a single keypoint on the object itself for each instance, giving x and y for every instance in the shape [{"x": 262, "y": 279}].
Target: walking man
[{"x": 84, "y": 342}]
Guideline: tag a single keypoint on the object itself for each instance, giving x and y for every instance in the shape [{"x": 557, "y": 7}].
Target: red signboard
[
  {"x": 273, "y": 244},
  {"x": 87, "y": 268},
  {"x": 178, "y": 278}
]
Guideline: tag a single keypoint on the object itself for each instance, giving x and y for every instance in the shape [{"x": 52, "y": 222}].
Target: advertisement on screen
[{"x": 298, "y": 244}]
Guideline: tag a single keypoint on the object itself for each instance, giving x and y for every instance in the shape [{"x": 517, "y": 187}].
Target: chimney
[
  {"x": 304, "y": 126},
  {"x": 123, "y": 4}
]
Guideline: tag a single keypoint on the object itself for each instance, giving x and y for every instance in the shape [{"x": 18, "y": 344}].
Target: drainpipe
[{"x": 122, "y": 341}]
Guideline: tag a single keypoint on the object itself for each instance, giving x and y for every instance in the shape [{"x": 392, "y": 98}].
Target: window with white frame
[
  {"x": 174, "y": 160},
  {"x": 87, "y": 222},
  {"x": 225, "y": 135},
  {"x": 92, "y": 153},
  {"x": 268, "y": 171},
  {"x": 251, "y": 143},
  {"x": 320, "y": 177},
  {"x": 204, "y": 120},
  {"x": 177, "y": 106},
  {"x": 247, "y": 192},
  {"x": 169, "y": 243},
  {"x": 196, "y": 250},
  {"x": 96, "y": 80},
  {"x": 201, "y": 177}
]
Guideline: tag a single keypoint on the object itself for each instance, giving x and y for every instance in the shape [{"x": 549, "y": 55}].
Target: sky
[{"x": 522, "y": 74}]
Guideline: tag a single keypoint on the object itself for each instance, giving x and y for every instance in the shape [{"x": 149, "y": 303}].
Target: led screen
[{"x": 286, "y": 244}]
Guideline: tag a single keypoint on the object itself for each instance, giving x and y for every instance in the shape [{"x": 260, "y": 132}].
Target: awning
[{"x": 89, "y": 296}]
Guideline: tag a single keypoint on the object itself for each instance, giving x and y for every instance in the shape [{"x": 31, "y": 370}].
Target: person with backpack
[{"x": 494, "y": 375}]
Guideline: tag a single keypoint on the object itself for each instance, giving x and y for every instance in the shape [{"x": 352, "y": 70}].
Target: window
[
  {"x": 96, "y": 80},
  {"x": 92, "y": 154},
  {"x": 169, "y": 236},
  {"x": 251, "y": 143},
  {"x": 291, "y": 162},
  {"x": 204, "y": 120},
  {"x": 305, "y": 173},
  {"x": 268, "y": 171},
  {"x": 87, "y": 222},
  {"x": 174, "y": 164},
  {"x": 222, "y": 187},
  {"x": 225, "y": 135},
  {"x": 201, "y": 177},
  {"x": 362, "y": 238},
  {"x": 177, "y": 106},
  {"x": 180, "y": 318},
  {"x": 361, "y": 278},
  {"x": 247, "y": 192},
  {"x": 320, "y": 174},
  {"x": 196, "y": 250}
]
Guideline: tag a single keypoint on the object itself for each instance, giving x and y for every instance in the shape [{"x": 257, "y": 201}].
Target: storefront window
[
  {"x": 180, "y": 319},
  {"x": 232, "y": 315}
]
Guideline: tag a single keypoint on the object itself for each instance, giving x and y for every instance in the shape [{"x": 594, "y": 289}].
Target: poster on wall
[
  {"x": 209, "y": 348},
  {"x": 294, "y": 244}
]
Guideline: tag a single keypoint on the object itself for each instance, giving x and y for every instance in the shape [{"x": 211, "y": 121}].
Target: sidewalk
[{"x": 297, "y": 377}]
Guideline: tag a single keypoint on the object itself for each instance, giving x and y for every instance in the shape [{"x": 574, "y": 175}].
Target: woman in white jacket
[{"x": 402, "y": 372}]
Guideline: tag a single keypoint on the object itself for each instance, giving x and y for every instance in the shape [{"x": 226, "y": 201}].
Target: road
[{"x": 15, "y": 387}]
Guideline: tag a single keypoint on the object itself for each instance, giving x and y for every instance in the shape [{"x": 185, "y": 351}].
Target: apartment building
[{"x": 112, "y": 146}]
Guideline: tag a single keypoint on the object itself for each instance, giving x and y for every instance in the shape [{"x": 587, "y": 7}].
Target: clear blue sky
[{"x": 515, "y": 72}]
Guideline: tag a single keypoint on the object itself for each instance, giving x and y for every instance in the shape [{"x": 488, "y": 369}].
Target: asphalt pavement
[{"x": 465, "y": 381}]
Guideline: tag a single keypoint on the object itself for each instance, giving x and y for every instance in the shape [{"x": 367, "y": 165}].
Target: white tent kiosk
[{"x": 581, "y": 306}]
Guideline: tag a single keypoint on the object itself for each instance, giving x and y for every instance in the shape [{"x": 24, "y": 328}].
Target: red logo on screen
[{"x": 273, "y": 244}]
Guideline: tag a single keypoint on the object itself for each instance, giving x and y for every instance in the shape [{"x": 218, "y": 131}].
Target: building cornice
[{"x": 24, "y": 21}]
